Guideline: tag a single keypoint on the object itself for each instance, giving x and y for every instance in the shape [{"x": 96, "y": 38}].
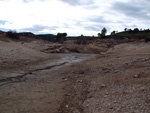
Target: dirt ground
[
  {"x": 34, "y": 79},
  {"x": 114, "y": 82}
]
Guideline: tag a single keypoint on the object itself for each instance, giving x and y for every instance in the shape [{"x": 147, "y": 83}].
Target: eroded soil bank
[{"x": 115, "y": 82}]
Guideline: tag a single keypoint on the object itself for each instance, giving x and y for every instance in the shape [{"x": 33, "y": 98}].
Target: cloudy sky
[{"x": 75, "y": 17}]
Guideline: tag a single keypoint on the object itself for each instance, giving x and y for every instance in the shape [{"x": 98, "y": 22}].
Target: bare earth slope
[
  {"x": 116, "y": 81},
  {"x": 17, "y": 54}
]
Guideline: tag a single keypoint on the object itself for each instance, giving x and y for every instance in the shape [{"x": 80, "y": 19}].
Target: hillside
[{"x": 133, "y": 34}]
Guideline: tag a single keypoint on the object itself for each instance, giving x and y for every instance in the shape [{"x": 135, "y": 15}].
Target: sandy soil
[{"x": 116, "y": 81}]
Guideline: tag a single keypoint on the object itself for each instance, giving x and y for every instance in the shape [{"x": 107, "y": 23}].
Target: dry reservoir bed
[{"x": 116, "y": 81}]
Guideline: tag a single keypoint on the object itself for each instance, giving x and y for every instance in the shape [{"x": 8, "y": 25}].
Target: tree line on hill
[
  {"x": 132, "y": 34},
  {"x": 135, "y": 30},
  {"x": 61, "y": 37}
]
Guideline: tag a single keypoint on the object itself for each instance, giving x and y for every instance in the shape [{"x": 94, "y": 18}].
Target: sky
[{"x": 75, "y": 17}]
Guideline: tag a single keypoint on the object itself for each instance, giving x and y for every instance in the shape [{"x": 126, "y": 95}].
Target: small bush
[{"x": 12, "y": 34}]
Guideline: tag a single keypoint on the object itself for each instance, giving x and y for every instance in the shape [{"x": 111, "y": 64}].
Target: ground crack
[{"x": 20, "y": 77}]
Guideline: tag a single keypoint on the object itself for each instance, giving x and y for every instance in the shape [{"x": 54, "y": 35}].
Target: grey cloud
[
  {"x": 38, "y": 28},
  {"x": 27, "y": 1},
  {"x": 3, "y": 22},
  {"x": 78, "y": 2},
  {"x": 126, "y": 7},
  {"x": 91, "y": 7},
  {"x": 93, "y": 28},
  {"x": 97, "y": 19},
  {"x": 93, "y": 23},
  {"x": 130, "y": 26},
  {"x": 97, "y": 26},
  {"x": 135, "y": 9},
  {"x": 66, "y": 25},
  {"x": 89, "y": 4}
]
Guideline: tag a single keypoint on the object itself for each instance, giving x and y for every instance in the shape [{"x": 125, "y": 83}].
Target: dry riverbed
[{"x": 39, "y": 88}]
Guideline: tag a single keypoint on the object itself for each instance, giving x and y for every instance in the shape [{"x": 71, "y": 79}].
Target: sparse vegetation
[
  {"x": 113, "y": 32},
  {"x": 48, "y": 37},
  {"x": 12, "y": 34},
  {"x": 132, "y": 34},
  {"x": 103, "y": 33},
  {"x": 136, "y": 33},
  {"x": 82, "y": 37},
  {"x": 61, "y": 37}
]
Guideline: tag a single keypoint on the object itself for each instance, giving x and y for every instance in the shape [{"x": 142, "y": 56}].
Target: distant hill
[
  {"x": 49, "y": 37},
  {"x": 132, "y": 34},
  {"x": 139, "y": 35},
  {"x": 26, "y": 34},
  {"x": 128, "y": 33}
]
